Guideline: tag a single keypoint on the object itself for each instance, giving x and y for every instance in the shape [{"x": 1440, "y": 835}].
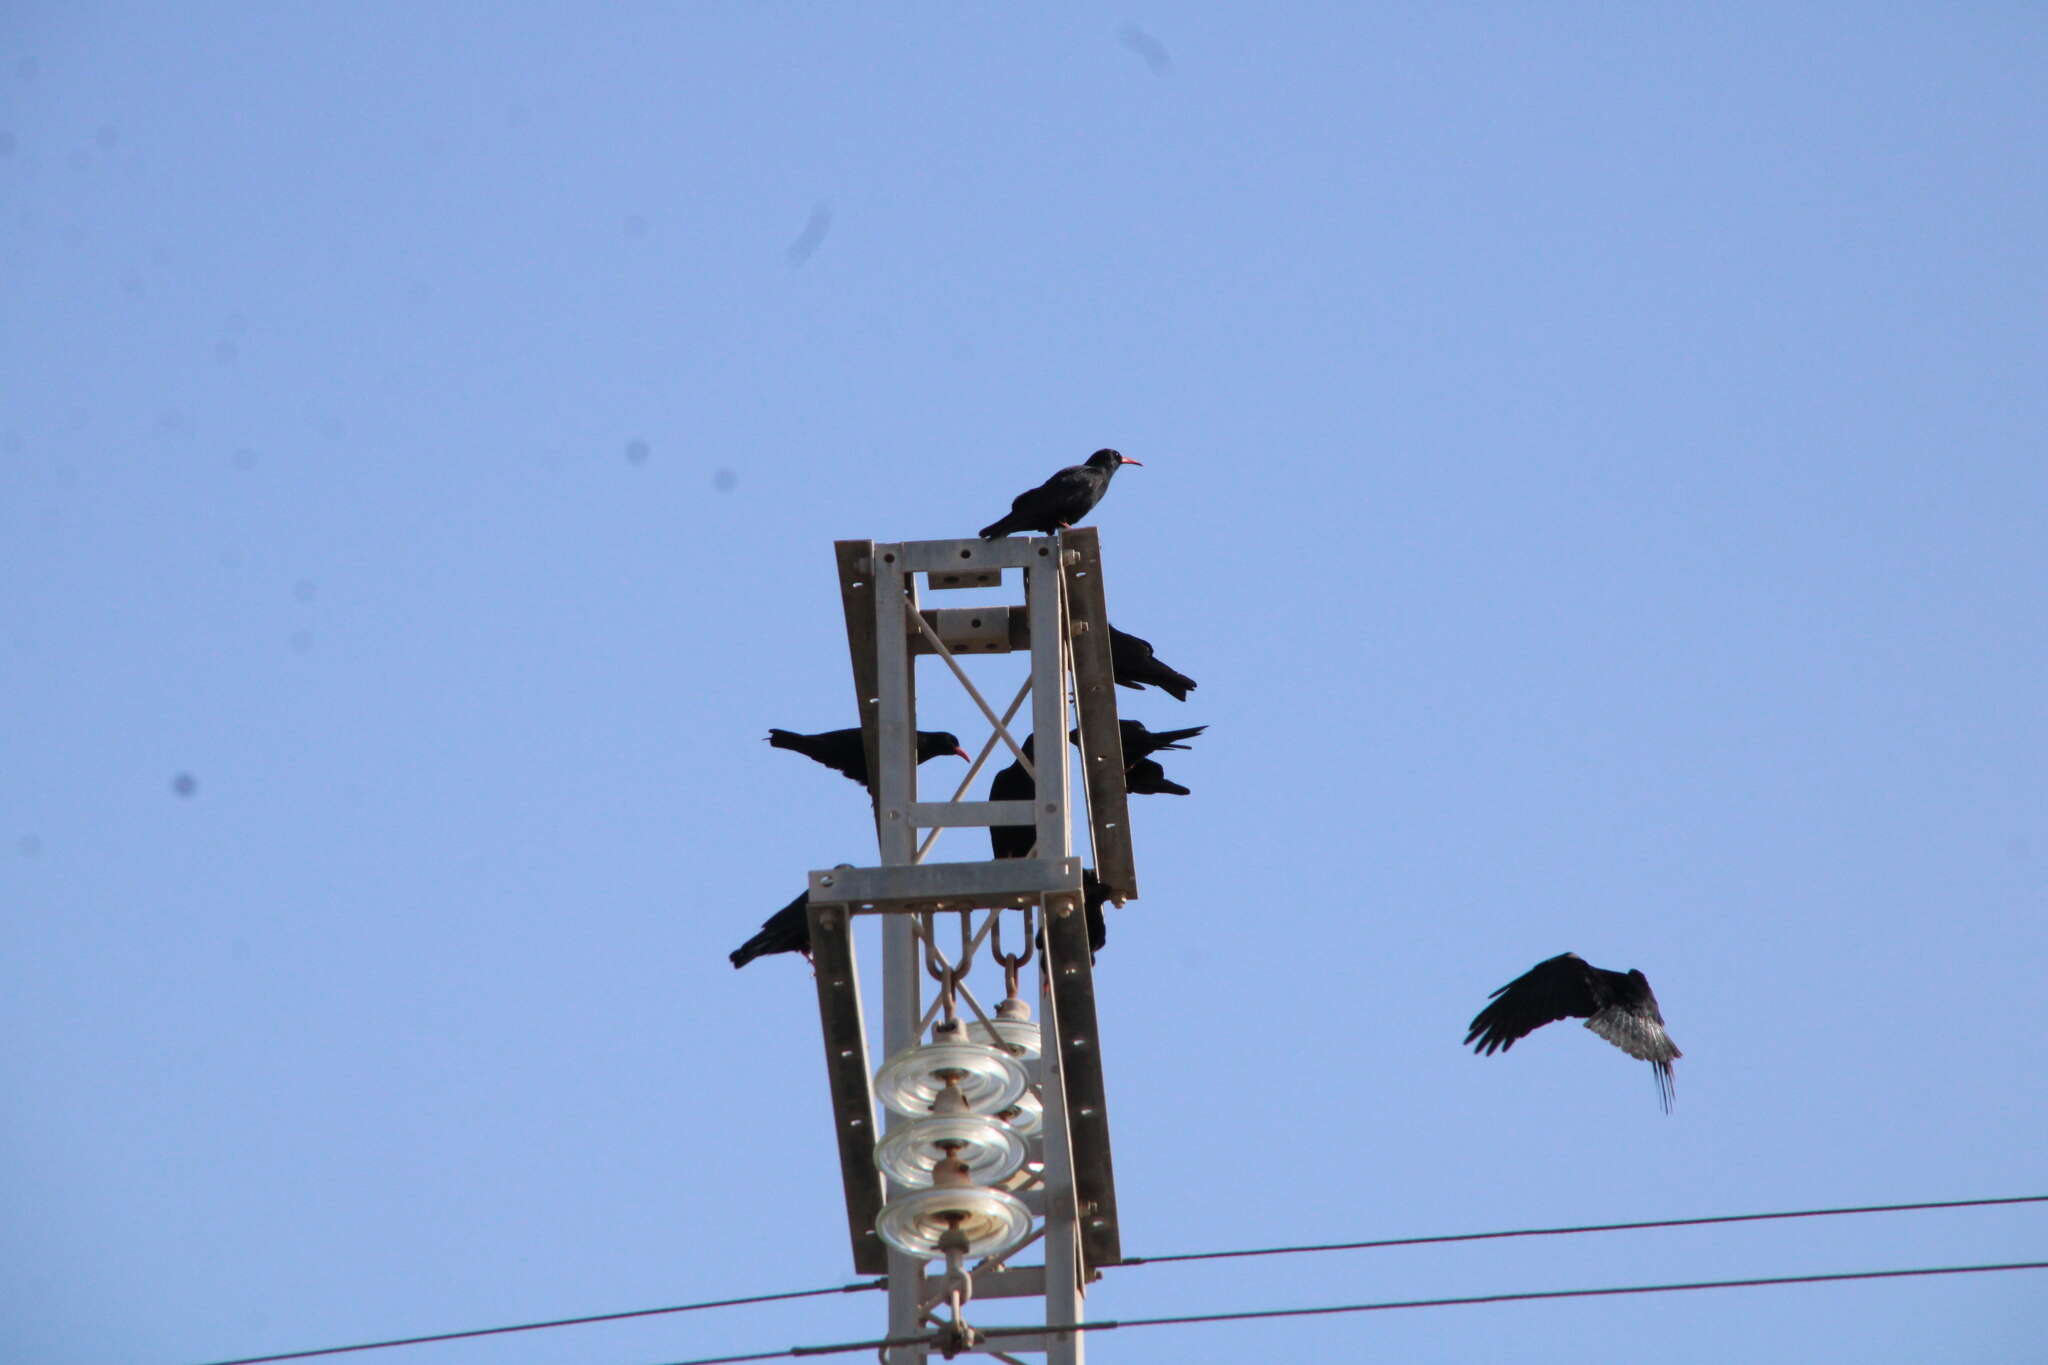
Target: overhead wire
[
  {"x": 555, "y": 1322},
  {"x": 866, "y": 1285},
  {"x": 1583, "y": 1227},
  {"x": 1328, "y": 1310}
]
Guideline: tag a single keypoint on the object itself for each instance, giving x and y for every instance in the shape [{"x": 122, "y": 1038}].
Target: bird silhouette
[
  {"x": 844, "y": 751},
  {"x": 1147, "y": 778},
  {"x": 1013, "y": 784},
  {"x": 1061, "y": 500},
  {"x": 1139, "y": 742},
  {"x": 1132, "y": 664},
  {"x": 788, "y": 930},
  {"x": 1618, "y": 1006}
]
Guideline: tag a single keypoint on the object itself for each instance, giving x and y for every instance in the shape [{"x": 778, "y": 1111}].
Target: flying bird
[
  {"x": 788, "y": 930},
  {"x": 1061, "y": 500},
  {"x": 843, "y": 750},
  {"x": 1138, "y": 742},
  {"x": 1616, "y": 1005},
  {"x": 1132, "y": 664}
]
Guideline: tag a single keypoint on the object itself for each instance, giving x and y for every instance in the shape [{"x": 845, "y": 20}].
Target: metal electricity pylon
[{"x": 1066, "y": 1184}]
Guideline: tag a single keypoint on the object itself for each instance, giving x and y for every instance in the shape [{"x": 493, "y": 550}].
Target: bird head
[
  {"x": 1112, "y": 459},
  {"x": 932, "y": 743}
]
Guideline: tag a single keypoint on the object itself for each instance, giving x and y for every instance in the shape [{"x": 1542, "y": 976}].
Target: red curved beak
[
  {"x": 962, "y": 754},
  {"x": 1128, "y": 460}
]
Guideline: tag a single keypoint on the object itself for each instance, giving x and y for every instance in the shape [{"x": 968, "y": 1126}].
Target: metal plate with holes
[
  {"x": 971, "y": 578},
  {"x": 976, "y": 630},
  {"x": 1073, "y": 993},
  {"x": 961, "y": 557},
  {"x": 1102, "y": 750},
  {"x": 846, "y": 1068},
  {"x": 857, "y": 600},
  {"x": 947, "y": 886}
]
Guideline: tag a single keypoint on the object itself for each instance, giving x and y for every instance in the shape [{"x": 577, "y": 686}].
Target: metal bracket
[
  {"x": 1080, "y": 1071},
  {"x": 1102, "y": 743},
  {"x": 846, "y": 1068},
  {"x": 1005, "y": 883},
  {"x": 857, "y": 599},
  {"x": 976, "y": 630}
]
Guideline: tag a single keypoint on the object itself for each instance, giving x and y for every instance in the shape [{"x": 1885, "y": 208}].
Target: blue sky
[{"x": 1592, "y": 467}]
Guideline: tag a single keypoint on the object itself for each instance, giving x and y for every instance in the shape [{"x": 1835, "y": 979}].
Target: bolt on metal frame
[{"x": 1064, "y": 626}]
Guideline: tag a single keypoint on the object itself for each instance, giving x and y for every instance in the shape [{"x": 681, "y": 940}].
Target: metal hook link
[
  {"x": 947, "y": 977},
  {"x": 1012, "y": 963},
  {"x": 968, "y": 941},
  {"x": 956, "y": 1336}
]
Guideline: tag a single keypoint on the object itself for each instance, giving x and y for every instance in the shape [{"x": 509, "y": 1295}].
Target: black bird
[
  {"x": 1616, "y": 1005},
  {"x": 843, "y": 750},
  {"x": 1147, "y": 778},
  {"x": 1061, "y": 500},
  {"x": 1017, "y": 841},
  {"x": 1144, "y": 777},
  {"x": 1142, "y": 743},
  {"x": 788, "y": 930},
  {"x": 1132, "y": 664},
  {"x": 1013, "y": 784},
  {"x": 1093, "y": 894}
]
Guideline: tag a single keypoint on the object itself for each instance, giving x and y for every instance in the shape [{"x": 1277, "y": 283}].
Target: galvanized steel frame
[{"x": 1063, "y": 623}]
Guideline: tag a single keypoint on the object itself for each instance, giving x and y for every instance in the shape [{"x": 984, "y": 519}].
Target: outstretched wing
[
  {"x": 1554, "y": 989},
  {"x": 1628, "y": 1017}
]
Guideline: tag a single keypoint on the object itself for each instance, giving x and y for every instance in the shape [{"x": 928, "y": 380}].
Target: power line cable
[
  {"x": 555, "y": 1322},
  {"x": 1586, "y": 1227},
  {"x": 997, "y": 1333},
  {"x": 1145, "y": 1260}
]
